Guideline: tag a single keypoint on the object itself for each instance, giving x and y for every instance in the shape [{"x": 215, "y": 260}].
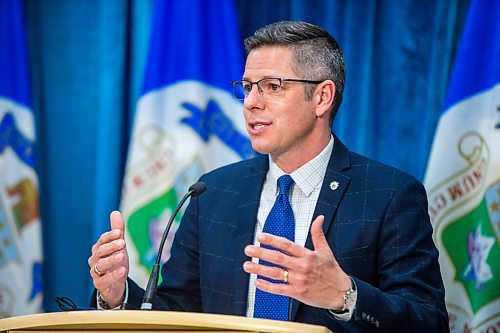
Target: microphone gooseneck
[{"x": 147, "y": 302}]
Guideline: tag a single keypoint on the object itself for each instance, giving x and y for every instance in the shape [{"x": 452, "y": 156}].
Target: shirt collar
[{"x": 308, "y": 176}]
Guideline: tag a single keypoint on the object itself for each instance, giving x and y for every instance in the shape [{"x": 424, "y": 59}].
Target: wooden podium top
[{"x": 146, "y": 321}]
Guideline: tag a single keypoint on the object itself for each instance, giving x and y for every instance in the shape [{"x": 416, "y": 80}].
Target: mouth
[{"x": 258, "y": 127}]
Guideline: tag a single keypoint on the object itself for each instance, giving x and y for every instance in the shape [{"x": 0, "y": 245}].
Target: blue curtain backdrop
[{"x": 87, "y": 59}]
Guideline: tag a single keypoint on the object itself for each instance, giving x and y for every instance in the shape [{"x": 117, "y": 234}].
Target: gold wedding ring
[
  {"x": 285, "y": 276},
  {"x": 98, "y": 272}
]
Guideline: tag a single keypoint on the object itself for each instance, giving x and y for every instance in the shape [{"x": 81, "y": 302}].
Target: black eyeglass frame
[{"x": 281, "y": 79}]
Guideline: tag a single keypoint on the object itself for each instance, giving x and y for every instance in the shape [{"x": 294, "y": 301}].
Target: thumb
[
  {"x": 116, "y": 221},
  {"x": 318, "y": 236}
]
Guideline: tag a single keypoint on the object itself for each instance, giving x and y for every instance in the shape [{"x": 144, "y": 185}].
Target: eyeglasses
[{"x": 270, "y": 87}]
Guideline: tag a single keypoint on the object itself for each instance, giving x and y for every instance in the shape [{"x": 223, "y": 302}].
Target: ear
[{"x": 323, "y": 97}]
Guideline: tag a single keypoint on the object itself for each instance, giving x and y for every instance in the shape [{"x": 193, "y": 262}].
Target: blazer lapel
[
  {"x": 248, "y": 202},
  {"x": 333, "y": 188}
]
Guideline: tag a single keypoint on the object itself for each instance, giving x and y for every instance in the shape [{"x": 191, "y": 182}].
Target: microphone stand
[{"x": 147, "y": 302}]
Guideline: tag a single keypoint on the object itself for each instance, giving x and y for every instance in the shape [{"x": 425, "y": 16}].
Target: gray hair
[{"x": 316, "y": 53}]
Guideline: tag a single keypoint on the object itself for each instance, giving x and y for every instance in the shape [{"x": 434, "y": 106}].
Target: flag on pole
[
  {"x": 463, "y": 177},
  {"x": 187, "y": 121},
  {"x": 20, "y": 230}
]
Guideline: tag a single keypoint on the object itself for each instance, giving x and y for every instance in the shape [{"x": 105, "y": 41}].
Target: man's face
[{"x": 282, "y": 126}]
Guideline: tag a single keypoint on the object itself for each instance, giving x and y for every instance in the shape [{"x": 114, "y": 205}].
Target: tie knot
[{"x": 284, "y": 184}]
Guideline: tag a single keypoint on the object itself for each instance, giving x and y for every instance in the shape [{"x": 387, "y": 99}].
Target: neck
[{"x": 291, "y": 161}]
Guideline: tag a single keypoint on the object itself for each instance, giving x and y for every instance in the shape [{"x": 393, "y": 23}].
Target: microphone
[{"x": 147, "y": 302}]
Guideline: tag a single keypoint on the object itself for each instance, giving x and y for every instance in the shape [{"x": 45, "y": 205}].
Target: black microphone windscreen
[{"x": 198, "y": 188}]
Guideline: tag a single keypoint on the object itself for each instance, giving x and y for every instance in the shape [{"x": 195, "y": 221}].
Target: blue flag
[
  {"x": 20, "y": 230},
  {"x": 463, "y": 177},
  {"x": 187, "y": 121}
]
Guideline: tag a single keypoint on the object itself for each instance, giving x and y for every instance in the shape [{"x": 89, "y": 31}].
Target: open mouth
[{"x": 258, "y": 127}]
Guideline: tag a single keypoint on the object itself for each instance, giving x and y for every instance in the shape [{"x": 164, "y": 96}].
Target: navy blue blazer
[{"x": 376, "y": 223}]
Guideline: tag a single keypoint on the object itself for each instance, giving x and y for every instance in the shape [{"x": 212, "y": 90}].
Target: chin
[{"x": 261, "y": 149}]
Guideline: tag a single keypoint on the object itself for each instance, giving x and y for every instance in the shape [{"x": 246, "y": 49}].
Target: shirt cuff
[{"x": 101, "y": 305}]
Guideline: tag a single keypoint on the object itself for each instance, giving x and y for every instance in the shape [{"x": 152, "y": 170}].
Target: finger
[
  {"x": 105, "y": 282},
  {"x": 108, "y": 266},
  {"x": 274, "y": 288},
  {"x": 108, "y": 249},
  {"x": 111, "y": 263},
  {"x": 271, "y": 272},
  {"x": 97, "y": 256},
  {"x": 116, "y": 221},
  {"x": 318, "y": 236},
  {"x": 283, "y": 244},
  {"x": 106, "y": 238},
  {"x": 269, "y": 255}
]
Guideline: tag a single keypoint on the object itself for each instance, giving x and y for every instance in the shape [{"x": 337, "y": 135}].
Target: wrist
[
  {"x": 348, "y": 299},
  {"x": 115, "y": 303},
  {"x": 108, "y": 305},
  {"x": 344, "y": 287}
]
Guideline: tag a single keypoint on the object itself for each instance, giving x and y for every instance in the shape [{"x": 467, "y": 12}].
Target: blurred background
[{"x": 87, "y": 64}]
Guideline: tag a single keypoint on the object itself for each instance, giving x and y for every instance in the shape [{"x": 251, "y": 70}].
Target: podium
[{"x": 148, "y": 321}]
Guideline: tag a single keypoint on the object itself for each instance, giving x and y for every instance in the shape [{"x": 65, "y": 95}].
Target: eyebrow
[{"x": 264, "y": 77}]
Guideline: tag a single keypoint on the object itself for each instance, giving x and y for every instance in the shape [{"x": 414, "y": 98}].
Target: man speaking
[{"x": 309, "y": 231}]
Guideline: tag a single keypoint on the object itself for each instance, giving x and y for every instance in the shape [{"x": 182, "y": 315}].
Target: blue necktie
[{"x": 280, "y": 222}]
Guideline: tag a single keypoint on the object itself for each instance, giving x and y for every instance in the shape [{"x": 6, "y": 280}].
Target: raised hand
[
  {"x": 109, "y": 264},
  {"x": 314, "y": 277}
]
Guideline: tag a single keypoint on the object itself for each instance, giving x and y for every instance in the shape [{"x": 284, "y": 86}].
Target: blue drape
[{"x": 87, "y": 59}]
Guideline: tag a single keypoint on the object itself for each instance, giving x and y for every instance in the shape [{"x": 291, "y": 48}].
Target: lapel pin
[{"x": 334, "y": 185}]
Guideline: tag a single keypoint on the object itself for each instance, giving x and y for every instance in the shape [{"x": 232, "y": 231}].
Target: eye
[
  {"x": 247, "y": 86},
  {"x": 274, "y": 86},
  {"x": 271, "y": 85}
]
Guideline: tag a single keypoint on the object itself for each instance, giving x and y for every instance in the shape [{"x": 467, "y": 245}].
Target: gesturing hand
[
  {"x": 314, "y": 277},
  {"x": 109, "y": 263}
]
